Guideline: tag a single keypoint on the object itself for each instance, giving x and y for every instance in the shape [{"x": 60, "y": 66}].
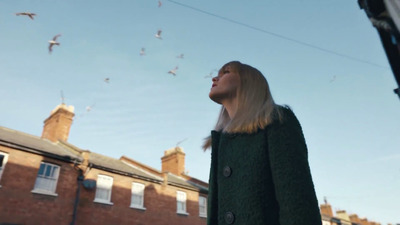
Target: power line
[{"x": 277, "y": 35}]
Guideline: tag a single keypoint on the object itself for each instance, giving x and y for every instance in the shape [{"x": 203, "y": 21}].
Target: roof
[
  {"x": 65, "y": 151},
  {"x": 119, "y": 166},
  {"x": 181, "y": 182},
  {"x": 27, "y": 142}
]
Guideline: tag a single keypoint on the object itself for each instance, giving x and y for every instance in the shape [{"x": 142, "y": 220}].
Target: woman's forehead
[{"x": 228, "y": 67}]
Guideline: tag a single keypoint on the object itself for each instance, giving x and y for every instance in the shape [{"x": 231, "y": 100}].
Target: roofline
[
  {"x": 40, "y": 152},
  {"x": 194, "y": 186},
  {"x": 183, "y": 186},
  {"x": 138, "y": 168},
  {"x": 72, "y": 147},
  {"x": 195, "y": 180},
  {"x": 125, "y": 173},
  {"x": 144, "y": 167}
]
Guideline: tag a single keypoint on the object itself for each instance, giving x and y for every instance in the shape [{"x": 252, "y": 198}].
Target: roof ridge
[{"x": 142, "y": 170}]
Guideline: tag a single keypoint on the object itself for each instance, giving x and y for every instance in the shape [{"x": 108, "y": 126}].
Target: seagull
[
  {"x": 173, "y": 71},
  {"x": 333, "y": 79},
  {"x": 211, "y": 73},
  {"x": 107, "y": 80},
  {"x": 142, "y": 51},
  {"x": 31, "y": 15},
  {"x": 180, "y": 56},
  {"x": 88, "y": 108},
  {"x": 53, "y": 42},
  {"x": 159, "y": 4},
  {"x": 158, "y": 35}
]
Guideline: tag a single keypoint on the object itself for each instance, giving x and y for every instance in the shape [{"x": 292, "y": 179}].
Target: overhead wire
[{"x": 277, "y": 35}]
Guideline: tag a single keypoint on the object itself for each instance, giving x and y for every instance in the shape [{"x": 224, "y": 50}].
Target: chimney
[
  {"x": 342, "y": 214},
  {"x": 365, "y": 221},
  {"x": 57, "y": 125},
  {"x": 355, "y": 219},
  {"x": 326, "y": 208},
  {"x": 173, "y": 161}
]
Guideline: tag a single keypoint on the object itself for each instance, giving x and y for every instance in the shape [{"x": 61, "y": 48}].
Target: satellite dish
[{"x": 89, "y": 184}]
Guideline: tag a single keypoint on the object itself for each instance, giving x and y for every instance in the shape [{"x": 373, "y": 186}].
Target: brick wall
[{"x": 20, "y": 206}]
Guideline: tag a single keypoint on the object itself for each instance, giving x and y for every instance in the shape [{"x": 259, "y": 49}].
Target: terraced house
[{"x": 46, "y": 180}]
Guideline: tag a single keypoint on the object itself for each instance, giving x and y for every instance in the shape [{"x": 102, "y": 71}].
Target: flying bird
[
  {"x": 211, "y": 74},
  {"x": 180, "y": 56},
  {"x": 31, "y": 15},
  {"x": 53, "y": 42},
  {"x": 107, "y": 80},
  {"x": 142, "y": 51},
  {"x": 89, "y": 108},
  {"x": 173, "y": 71},
  {"x": 333, "y": 79},
  {"x": 158, "y": 35},
  {"x": 159, "y": 4}
]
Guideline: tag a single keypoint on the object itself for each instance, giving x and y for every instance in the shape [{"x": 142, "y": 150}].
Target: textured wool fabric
[{"x": 262, "y": 178}]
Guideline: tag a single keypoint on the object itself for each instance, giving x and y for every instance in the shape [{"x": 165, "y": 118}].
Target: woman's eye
[{"x": 226, "y": 71}]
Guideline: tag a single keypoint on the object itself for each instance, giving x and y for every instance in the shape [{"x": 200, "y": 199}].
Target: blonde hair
[{"x": 256, "y": 107}]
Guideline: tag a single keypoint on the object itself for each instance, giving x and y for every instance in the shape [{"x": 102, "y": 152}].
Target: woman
[{"x": 259, "y": 167}]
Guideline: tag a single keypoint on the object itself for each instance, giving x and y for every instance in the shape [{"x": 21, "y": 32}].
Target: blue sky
[{"x": 322, "y": 58}]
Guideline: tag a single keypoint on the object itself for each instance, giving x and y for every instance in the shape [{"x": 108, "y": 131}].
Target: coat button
[
  {"x": 227, "y": 171},
  {"x": 229, "y": 218}
]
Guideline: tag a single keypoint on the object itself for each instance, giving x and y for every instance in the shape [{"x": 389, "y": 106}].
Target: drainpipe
[{"x": 78, "y": 192}]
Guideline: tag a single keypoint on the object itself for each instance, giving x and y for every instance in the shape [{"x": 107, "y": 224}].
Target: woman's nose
[{"x": 214, "y": 79}]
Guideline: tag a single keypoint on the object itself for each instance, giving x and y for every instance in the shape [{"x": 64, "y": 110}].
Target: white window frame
[
  {"x": 202, "y": 206},
  {"x": 47, "y": 179},
  {"x": 137, "y": 197},
  {"x": 181, "y": 203},
  {"x": 3, "y": 163},
  {"x": 104, "y": 186}
]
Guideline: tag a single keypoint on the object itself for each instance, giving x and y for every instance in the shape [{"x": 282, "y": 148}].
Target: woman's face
[{"x": 225, "y": 85}]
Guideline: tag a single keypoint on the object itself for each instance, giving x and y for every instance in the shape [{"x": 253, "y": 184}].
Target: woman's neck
[{"x": 231, "y": 107}]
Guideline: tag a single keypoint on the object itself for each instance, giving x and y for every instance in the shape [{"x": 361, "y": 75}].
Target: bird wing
[
  {"x": 55, "y": 37},
  {"x": 31, "y": 15}
]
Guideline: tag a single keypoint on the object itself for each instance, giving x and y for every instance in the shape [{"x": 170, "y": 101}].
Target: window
[
  {"x": 46, "y": 180},
  {"x": 3, "y": 162},
  {"x": 103, "y": 189},
  {"x": 202, "y": 206},
  {"x": 137, "y": 196},
  {"x": 181, "y": 202}
]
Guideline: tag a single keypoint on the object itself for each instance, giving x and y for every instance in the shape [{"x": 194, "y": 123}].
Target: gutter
[
  {"x": 126, "y": 174},
  {"x": 40, "y": 152}
]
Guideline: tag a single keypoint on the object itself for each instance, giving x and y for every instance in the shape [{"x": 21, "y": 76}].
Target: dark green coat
[{"x": 262, "y": 178}]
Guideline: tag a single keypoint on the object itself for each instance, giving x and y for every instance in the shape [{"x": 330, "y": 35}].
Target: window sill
[
  {"x": 101, "y": 201},
  {"x": 183, "y": 213},
  {"x": 203, "y": 216},
  {"x": 137, "y": 207},
  {"x": 43, "y": 192}
]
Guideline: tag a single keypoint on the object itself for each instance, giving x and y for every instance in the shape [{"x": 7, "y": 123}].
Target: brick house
[
  {"x": 341, "y": 217},
  {"x": 46, "y": 180}
]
